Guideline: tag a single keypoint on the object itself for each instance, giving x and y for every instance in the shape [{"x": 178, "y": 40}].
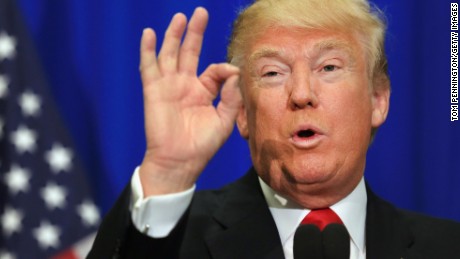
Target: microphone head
[
  {"x": 307, "y": 242},
  {"x": 336, "y": 242}
]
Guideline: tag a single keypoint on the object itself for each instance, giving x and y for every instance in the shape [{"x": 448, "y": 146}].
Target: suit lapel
[
  {"x": 387, "y": 233},
  {"x": 248, "y": 228},
  {"x": 249, "y": 231}
]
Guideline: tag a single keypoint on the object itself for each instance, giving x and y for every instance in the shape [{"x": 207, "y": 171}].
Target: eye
[
  {"x": 271, "y": 74},
  {"x": 329, "y": 68}
]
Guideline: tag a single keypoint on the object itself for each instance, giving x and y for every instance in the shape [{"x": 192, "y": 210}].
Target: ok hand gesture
[{"x": 183, "y": 128}]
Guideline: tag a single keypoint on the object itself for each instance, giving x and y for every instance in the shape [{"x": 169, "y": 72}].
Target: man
[{"x": 308, "y": 88}]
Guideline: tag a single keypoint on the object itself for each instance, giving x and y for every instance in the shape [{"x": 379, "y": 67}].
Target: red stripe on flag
[{"x": 67, "y": 254}]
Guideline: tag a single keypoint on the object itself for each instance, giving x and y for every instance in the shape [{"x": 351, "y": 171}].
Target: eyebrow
[
  {"x": 265, "y": 52},
  {"x": 317, "y": 50},
  {"x": 334, "y": 44}
]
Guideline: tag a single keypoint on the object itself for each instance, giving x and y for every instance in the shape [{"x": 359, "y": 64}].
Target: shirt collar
[{"x": 288, "y": 214}]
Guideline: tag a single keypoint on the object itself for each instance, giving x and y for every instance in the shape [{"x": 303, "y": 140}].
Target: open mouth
[
  {"x": 307, "y": 137},
  {"x": 305, "y": 133}
]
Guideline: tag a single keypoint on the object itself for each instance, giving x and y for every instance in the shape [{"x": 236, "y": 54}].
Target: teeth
[{"x": 305, "y": 133}]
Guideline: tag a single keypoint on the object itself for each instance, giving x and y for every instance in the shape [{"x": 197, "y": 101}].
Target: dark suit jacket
[{"x": 235, "y": 222}]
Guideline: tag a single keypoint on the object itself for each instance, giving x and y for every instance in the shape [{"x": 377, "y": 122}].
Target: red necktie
[{"x": 321, "y": 218}]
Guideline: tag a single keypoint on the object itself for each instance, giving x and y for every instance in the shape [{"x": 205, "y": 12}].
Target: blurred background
[{"x": 87, "y": 54}]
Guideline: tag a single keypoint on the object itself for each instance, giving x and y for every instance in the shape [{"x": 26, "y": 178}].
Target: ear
[
  {"x": 380, "y": 104},
  {"x": 242, "y": 122}
]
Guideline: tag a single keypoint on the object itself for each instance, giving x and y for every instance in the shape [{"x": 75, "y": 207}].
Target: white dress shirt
[
  {"x": 156, "y": 216},
  {"x": 351, "y": 210}
]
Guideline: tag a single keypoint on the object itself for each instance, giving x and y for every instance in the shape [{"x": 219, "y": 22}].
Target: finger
[
  {"x": 191, "y": 47},
  {"x": 148, "y": 63},
  {"x": 169, "y": 53},
  {"x": 230, "y": 102},
  {"x": 215, "y": 74}
]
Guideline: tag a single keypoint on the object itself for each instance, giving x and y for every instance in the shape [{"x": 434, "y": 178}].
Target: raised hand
[{"x": 183, "y": 128}]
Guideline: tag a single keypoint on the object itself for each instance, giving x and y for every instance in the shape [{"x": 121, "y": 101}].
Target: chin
[{"x": 307, "y": 173}]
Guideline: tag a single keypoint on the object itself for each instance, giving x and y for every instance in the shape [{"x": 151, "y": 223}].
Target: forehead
[{"x": 285, "y": 41}]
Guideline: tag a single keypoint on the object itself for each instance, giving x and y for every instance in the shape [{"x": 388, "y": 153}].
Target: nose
[{"x": 302, "y": 93}]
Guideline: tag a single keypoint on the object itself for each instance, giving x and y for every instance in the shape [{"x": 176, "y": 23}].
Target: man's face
[{"x": 308, "y": 113}]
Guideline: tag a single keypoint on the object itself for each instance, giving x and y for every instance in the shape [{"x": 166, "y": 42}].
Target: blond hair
[{"x": 351, "y": 16}]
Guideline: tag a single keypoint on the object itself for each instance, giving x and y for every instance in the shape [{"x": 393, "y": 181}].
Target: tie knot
[{"x": 321, "y": 218}]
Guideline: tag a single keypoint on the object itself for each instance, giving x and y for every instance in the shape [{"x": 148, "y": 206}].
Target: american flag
[{"x": 46, "y": 210}]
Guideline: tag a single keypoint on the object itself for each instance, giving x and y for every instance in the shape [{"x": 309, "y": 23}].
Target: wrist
[{"x": 165, "y": 178}]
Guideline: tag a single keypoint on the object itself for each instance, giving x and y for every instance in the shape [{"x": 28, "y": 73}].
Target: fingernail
[{"x": 233, "y": 67}]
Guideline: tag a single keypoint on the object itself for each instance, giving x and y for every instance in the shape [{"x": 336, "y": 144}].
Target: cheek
[
  {"x": 265, "y": 122},
  {"x": 352, "y": 116},
  {"x": 266, "y": 109}
]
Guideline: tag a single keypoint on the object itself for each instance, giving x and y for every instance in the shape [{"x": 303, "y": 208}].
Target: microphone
[
  {"x": 307, "y": 242},
  {"x": 336, "y": 242}
]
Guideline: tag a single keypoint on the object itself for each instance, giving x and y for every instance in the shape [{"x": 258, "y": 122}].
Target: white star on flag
[
  {"x": 6, "y": 255},
  {"x": 4, "y": 81},
  {"x": 24, "y": 139},
  {"x": 89, "y": 213},
  {"x": 17, "y": 179},
  {"x": 29, "y": 103},
  {"x": 59, "y": 158},
  {"x": 54, "y": 195},
  {"x": 2, "y": 123},
  {"x": 7, "y": 46},
  {"x": 11, "y": 221},
  {"x": 47, "y": 235}
]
